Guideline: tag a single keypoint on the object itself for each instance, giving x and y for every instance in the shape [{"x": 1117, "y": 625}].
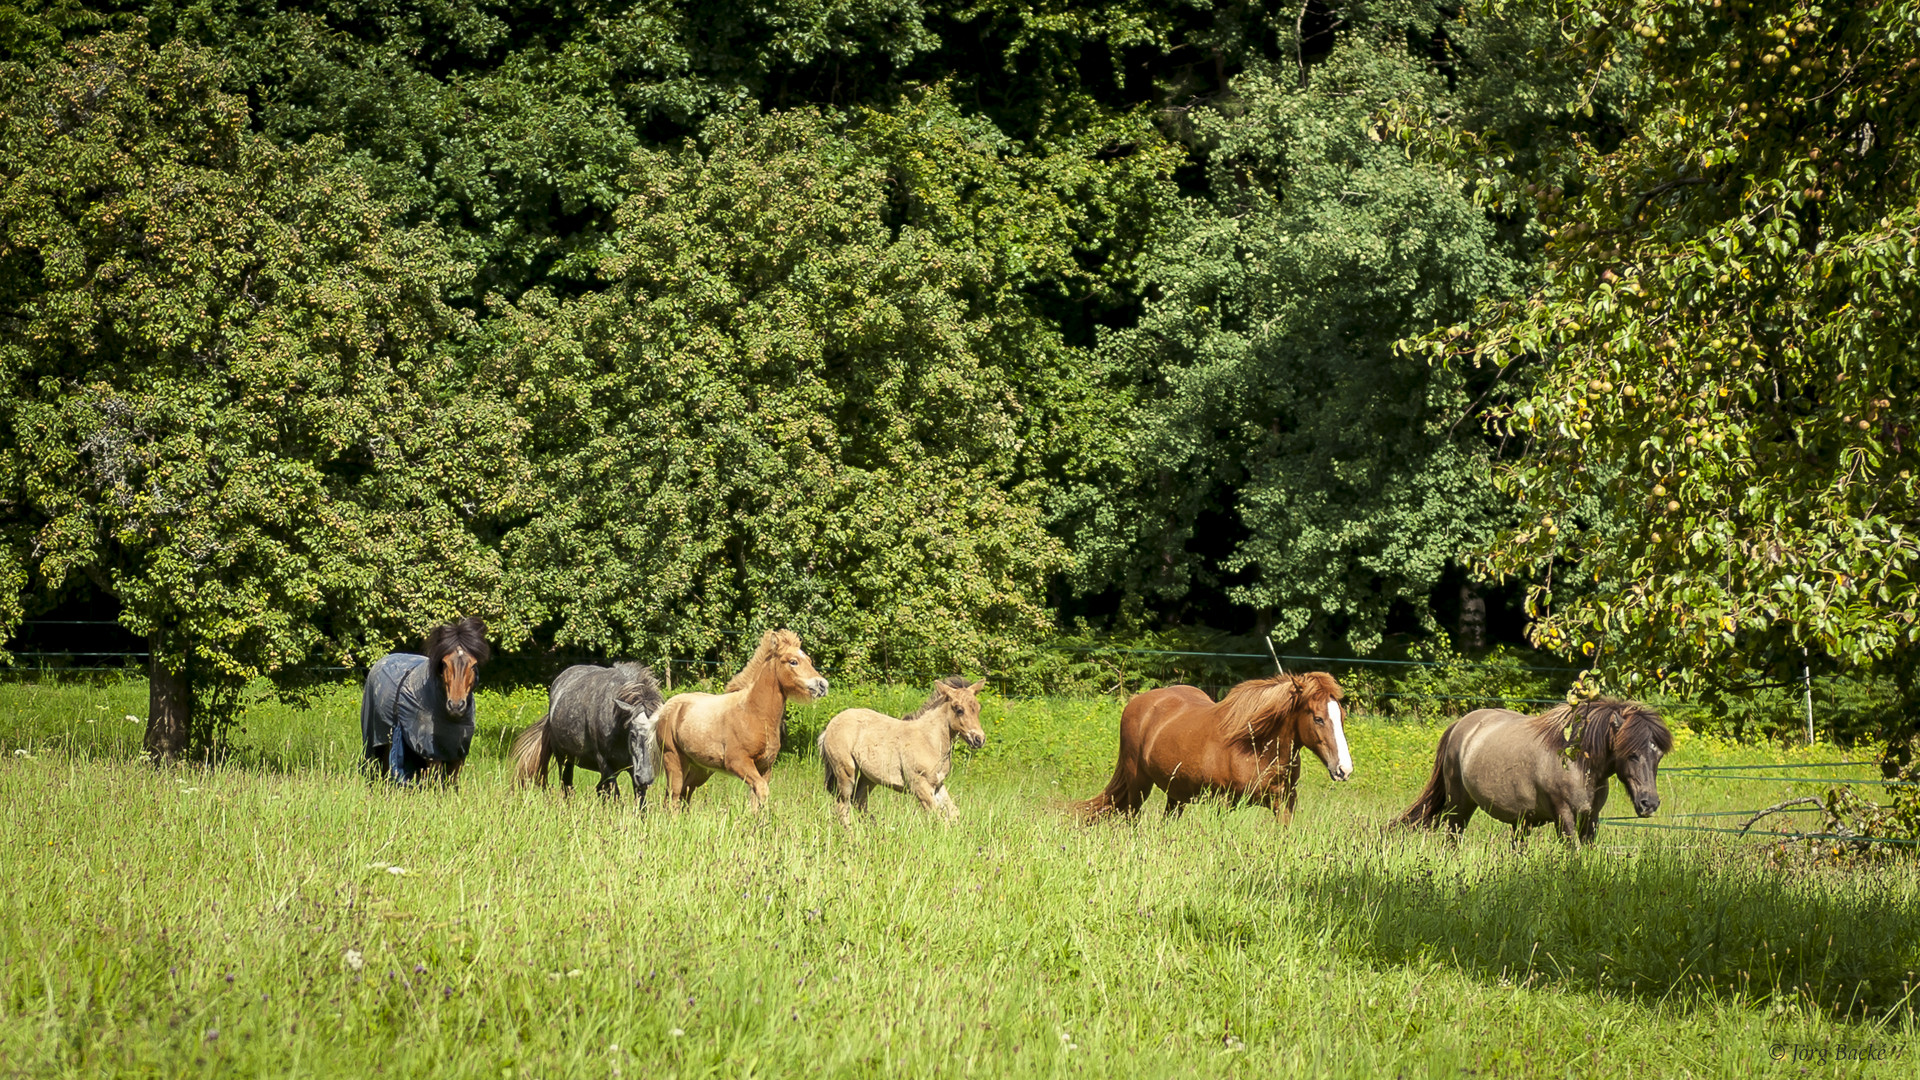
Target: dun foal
[{"x": 861, "y": 748}]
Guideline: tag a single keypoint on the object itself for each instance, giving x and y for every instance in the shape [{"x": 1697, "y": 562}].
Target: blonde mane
[
  {"x": 770, "y": 642},
  {"x": 1258, "y": 708}
]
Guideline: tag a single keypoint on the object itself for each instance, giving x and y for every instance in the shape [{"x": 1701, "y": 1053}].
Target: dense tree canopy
[
  {"x": 218, "y": 378},
  {"x": 1718, "y": 473},
  {"x": 929, "y": 328}
]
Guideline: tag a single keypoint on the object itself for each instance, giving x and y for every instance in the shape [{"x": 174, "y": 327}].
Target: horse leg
[
  {"x": 609, "y": 785},
  {"x": 945, "y": 800},
  {"x": 844, "y": 776},
  {"x": 860, "y": 791},
  {"x": 922, "y": 788},
  {"x": 1178, "y": 796},
  {"x": 566, "y": 775},
  {"x": 1457, "y": 820},
  {"x": 1569, "y": 824},
  {"x": 748, "y": 771}
]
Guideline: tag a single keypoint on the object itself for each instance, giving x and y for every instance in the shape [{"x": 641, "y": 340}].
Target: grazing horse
[
  {"x": 1247, "y": 744},
  {"x": 1529, "y": 770},
  {"x": 416, "y": 711},
  {"x": 861, "y": 748},
  {"x": 602, "y": 718},
  {"x": 738, "y": 731}
]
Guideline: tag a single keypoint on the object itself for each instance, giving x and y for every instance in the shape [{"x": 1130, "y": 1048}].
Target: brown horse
[
  {"x": 416, "y": 712},
  {"x": 738, "y": 731},
  {"x": 1529, "y": 770},
  {"x": 1247, "y": 744}
]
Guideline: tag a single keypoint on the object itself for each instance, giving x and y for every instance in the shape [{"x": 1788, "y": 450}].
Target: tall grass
[{"x": 209, "y": 921}]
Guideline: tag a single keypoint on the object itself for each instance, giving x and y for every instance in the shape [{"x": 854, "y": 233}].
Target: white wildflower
[
  {"x": 676, "y": 1032},
  {"x": 132, "y": 719},
  {"x": 397, "y": 871},
  {"x": 354, "y": 960},
  {"x": 574, "y": 974}
]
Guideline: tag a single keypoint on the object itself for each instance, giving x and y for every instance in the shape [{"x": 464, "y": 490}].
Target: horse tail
[
  {"x": 1118, "y": 796},
  {"x": 826, "y": 763},
  {"x": 529, "y": 754},
  {"x": 1433, "y": 798}
]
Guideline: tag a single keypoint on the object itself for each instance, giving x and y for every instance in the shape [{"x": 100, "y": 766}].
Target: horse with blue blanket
[{"x": 416, "y": 712}]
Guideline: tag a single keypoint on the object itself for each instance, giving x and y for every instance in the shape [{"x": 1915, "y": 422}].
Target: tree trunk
[
  {"x": 168, "y": 704},
  {"x": 1473, "y": 619}
]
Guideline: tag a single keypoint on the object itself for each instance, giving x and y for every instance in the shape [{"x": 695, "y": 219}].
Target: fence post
[{"x": 1806, "y": 675}]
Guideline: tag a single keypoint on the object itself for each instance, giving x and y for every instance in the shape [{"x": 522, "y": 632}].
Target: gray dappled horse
[
  {"x": 416, "y": 712},
  {"x": 1531, "y": 770},
  {"x": 600, "y": 718}
]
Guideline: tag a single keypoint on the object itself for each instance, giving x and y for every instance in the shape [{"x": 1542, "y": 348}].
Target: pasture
[{"x": 281, "y": 915}]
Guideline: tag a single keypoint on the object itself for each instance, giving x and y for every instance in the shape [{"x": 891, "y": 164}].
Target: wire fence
[{"x": 1774, "y": 773}]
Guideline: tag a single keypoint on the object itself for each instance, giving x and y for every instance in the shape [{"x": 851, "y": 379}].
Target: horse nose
[
  {"x": 1646, "y": 807},
  {"x": 976, "y": 741},
  {"x": 818, "y": 687},
  {"x": 1340, "y": 774}
]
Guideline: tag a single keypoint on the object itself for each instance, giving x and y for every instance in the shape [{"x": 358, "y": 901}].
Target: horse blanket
[{"x": 403, "y": 718}]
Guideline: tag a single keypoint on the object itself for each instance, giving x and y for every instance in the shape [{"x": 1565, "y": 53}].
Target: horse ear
[
  {"x": 1613, "y": 722},
  {"x": 624, "y": 708},
  {"x": 975, "y": 688}
]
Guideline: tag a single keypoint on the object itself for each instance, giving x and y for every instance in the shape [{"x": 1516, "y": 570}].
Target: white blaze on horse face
[{"x": 1343, "y": 763}]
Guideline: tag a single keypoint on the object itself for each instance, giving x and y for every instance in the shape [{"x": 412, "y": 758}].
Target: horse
[
  {"x": 737, "y": 731},
  {"x": 861, "y": 748},
  {"x": 599, "y": 717},
  {"x": 1246, "y": 745},
  {"x": 1529, "y": 770},
  {"x": 416, "y": 712}
]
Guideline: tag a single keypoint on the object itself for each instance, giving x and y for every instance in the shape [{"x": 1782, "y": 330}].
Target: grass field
[{"x": 279, "y": 915}]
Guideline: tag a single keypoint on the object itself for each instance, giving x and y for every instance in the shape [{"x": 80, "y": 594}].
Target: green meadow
[{"x": 280, "y": 915}]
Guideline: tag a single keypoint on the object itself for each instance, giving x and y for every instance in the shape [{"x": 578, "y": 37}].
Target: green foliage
[
  {"x": 1718, "y": 458},
  {"x": 1270, "y": 400},
  {"x": 222, "y": 369},
  {"x": 803, "y": 398}
]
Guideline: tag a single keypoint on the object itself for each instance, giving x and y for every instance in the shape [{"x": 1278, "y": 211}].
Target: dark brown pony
[
  {"x": 1247, "y": 744},
  {"x": 416, "y": 712},
  {"x": 1531, "y": 770},
  {"x": 455, "y": 652}
]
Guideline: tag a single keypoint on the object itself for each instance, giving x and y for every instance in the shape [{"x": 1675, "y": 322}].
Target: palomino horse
[
  {"x": 738, "y": 731},
  {"x": 861, "y": 748},
  {"x": 416, "y": 711},
  {"x": 1247, "y": 744},
  {"x": 602, "y": 718},
  {"x": 1529, "y": 770}
]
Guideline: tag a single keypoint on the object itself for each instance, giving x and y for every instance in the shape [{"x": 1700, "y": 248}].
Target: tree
[
  {"x": 801, "y": 399},
  {"x": 225, "y": 386},
  {"x": 1718, "y": 473},
  {"x": 1283, "y": 453}
]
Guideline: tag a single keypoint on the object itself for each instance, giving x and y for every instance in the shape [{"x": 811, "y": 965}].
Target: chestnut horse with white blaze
[
  {"x": 739, "y": 731},
  {"x": 1246, "y": 745}
]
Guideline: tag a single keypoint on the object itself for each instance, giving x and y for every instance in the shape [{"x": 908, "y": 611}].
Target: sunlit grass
[{"x": 199, "y": 920}]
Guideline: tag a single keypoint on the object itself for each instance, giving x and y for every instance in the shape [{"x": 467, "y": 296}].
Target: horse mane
[
  {"x": 637, "y": 685},
  {"x": 957, "y": 682},
  {"x": 762, "y": 656},
  {"x": 469, "y": 633},
  {"x": 1641, "y": 728},
  {"x": 1258, "y": 708}
]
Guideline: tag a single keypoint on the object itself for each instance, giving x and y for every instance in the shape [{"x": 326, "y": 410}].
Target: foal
[{"x": 861, "y": 748}]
